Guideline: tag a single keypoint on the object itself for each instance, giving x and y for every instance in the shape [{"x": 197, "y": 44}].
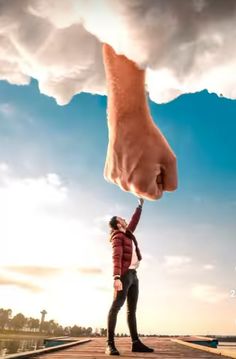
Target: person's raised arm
[{"x": 136, "y": 216}]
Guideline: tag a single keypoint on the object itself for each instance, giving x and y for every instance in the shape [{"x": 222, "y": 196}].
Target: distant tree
[
  {"x": 5, "y": 315},
  {"x": 76, "y": 331},
  {"x": 103, "y": 332},
  {"x": 30, "y": 323},
  {"x": 33, "y": 324},
  {"x": 18, "y": 321},
  {"x": 36, "y": 324},
  {"x": 44, "y": 327},
  {"x": 67, "y": 330},
  {"x": 88, "y": 331},
  {"x": 53, "y": 326},
  {"x": 49, "y": 327},
  {"x": 60, "y": 331},
  {"x": 97, "y": 332}
]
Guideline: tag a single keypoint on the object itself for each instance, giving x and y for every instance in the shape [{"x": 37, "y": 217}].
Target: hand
[
  {"x": 140, "y": 201},
  {"x": 141, "y": 162},
  {"x": 139, "y": 158},
  {"x": 118, "y": 284}
]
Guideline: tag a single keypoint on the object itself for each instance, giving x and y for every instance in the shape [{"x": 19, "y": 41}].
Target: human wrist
[
  {"x": 130, "y": 128},
  {"x": 140, "y": 202},
  {"x": 129, "y": 121}
]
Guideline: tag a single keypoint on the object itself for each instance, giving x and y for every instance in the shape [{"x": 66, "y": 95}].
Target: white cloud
[
  {"x": 7, "y": 109},
  {"x": 35, "y": 227},
  {"x": 30, "y": 194},
  {"x": 186, "y": 45},
  {"x": 208, "y": 266},
  {"x": 101, "y": 225},
  {"x": 176, "y": 263},
  {"x": 4, "y": 167},
  {"x": 208, "y": 293},
  {"x": 18, "y": 283},
  {"x": 47, "y": 249}
]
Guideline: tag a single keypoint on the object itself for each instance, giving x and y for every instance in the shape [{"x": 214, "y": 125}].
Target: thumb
[{"x": 169, "y": 175}]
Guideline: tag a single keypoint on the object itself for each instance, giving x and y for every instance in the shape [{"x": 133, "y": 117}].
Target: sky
[
  {"x": 59, "y": 44},
  {"x": 55, "y": 206}
]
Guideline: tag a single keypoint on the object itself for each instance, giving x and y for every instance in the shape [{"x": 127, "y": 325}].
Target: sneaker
[
  {"x": 111, "y": 349},
  {"x": 138, "y": 346}
]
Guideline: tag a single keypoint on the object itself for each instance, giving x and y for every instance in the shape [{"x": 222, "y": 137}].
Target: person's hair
[{"x": 113, "y": 223}]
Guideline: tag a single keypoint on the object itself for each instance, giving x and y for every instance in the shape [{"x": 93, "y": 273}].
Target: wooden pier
[{"x": 165, "y": 348}]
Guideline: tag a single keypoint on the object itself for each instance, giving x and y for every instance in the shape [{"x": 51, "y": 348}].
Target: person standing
[{"x": 126, "y": 257}]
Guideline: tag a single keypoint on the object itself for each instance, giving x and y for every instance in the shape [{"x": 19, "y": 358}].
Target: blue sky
[{"x": 187, "y": 238}]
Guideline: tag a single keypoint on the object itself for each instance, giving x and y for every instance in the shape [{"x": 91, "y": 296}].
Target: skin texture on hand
[
  {"x": 139, "y": 159},
  {"x": 118, "y": 285}
]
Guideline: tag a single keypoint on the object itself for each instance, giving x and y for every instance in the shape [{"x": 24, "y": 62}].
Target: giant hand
[{"x": 139, "y": 159}]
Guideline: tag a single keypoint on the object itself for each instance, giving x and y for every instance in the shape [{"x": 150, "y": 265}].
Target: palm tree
[
  {"x": 18, "y": 321},
  {"x": 33, "y": 324},
  {"x": 5, "y": 315}
]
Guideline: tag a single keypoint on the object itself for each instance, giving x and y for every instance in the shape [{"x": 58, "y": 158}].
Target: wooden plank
[
  {"x": 165, "y": 348},
  {"x": 196, "y": 338},
  {"x": 217, "y": 351},
  {"x": 34, "y": 353}
]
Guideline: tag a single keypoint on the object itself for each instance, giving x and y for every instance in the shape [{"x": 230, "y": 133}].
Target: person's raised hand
[{"x": 140, "y": 201}]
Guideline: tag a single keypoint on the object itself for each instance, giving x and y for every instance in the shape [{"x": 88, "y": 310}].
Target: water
[
  {"x": 11, "y": 346},
  {"x": 231, "y": 346}
]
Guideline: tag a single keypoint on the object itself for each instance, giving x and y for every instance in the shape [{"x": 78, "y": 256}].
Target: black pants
[{"x": 130, "y": 291}]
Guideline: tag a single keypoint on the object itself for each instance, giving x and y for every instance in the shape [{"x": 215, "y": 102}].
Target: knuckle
[
  {"x": 147, "y": 189},
  {"x": 110, "y": 175},
  {"x": 172, "y": 160},
  {"x": 122, "y": 183},
  {"x": 139, "y": 185}
]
